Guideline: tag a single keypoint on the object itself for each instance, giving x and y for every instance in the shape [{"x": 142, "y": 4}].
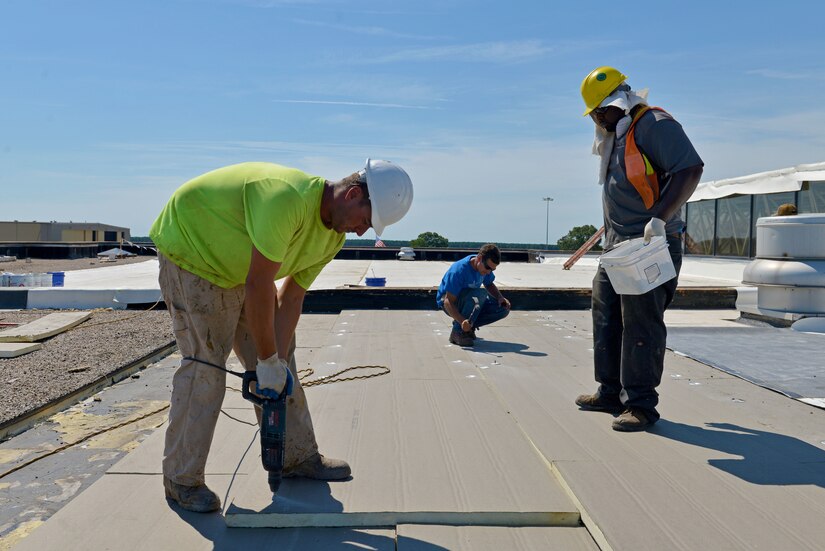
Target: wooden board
[
  {"x": 45, "y": 327},
  {"x": 14, "y": 349}
]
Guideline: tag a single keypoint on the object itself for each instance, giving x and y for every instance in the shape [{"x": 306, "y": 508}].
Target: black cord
[{"x": 193, "y": 359}]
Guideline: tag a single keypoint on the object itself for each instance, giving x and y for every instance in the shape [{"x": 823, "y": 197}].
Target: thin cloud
[
  {"x": 801, "y": 126},
  {"x": 354, "y": 103},
  {"x": 190, "y": 148},
  {"x": 270, "y": 3},
  {"x": 495, "y": 52},
  {"x": 362, "y": 29},
  {"x": 783, "y": 75},
  {"x": 320, "y": 5}
]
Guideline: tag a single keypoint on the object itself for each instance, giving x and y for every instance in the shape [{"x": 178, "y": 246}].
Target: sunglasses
[
  {"x": 488, "y": 266},
  {"x": 600, "y": 111}
]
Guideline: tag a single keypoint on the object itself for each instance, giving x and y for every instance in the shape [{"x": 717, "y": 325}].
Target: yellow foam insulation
[
  {"x": 103, "y": 456},
  {"x": 8, "y": 541},
  {"x": 75, "y": 424},
  {"x": 13, "y": 456},
  {"x": 124, "y": 438}
]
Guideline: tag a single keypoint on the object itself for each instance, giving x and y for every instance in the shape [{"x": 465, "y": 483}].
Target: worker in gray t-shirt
[{"x": 648, "y": 171}]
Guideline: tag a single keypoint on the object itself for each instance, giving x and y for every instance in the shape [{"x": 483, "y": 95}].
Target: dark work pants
[
  {"x": 489, "y": 312},
  {"x": 629, "y": 337}
]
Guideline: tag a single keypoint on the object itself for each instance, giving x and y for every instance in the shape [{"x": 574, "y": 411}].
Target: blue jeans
[
  {"x": 489, "y": 310},
  {"x": 629, "y": 337}
]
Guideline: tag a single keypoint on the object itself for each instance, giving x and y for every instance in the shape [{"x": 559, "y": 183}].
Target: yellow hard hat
[{"x": 599, "y": 84}]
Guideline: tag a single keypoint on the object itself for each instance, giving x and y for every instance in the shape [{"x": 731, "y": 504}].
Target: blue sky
[{"x": 107, "y": 107}]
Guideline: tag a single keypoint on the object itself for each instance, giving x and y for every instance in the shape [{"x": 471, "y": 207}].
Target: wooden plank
[
  {"x": 45, "y": 327},
  {"x": 584, "y": 248},
  {"x": 14, "y": 349}
]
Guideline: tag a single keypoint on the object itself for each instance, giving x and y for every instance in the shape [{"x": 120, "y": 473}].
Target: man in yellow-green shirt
[{"x": 223, "y": 239}]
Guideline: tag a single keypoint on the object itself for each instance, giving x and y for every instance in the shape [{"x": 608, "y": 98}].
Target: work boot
[
  {"x": 199, "y": 499},
  {"x": 320, "y": 468},
  {"x": 461, "y": 338},
  {"x": 631, "y": 420},
  {"x": 596, "y": 402}
]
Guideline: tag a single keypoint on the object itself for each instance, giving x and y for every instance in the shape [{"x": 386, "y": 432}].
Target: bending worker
[
  {"x": 648, "y": 171},
  {"x": 223, "y": 239},
  {"x": 461, "y": 297}
]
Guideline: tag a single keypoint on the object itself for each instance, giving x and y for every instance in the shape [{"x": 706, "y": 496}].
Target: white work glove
[
  {"x": 272, "y": 373},
  {"x": 653, "y": 228}
]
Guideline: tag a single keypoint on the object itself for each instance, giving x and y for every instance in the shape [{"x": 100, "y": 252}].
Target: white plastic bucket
[
  {"x": 17, "y": 280},
  {"x": 635, "y": 268},
  {"x": 4, "y": 279}
]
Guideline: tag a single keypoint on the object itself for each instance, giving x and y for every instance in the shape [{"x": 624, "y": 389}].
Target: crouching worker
[
  {"x": 223, "y": 239},
  {"x": 460, "y": 294}
]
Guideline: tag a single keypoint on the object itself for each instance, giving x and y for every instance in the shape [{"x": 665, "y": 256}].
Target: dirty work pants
[
  {"x": 629, "y": 337},
  {"x": 208, "y": 322},
  {"x": 489, "y": 312}
]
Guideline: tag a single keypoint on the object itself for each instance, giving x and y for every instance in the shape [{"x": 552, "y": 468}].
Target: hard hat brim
[{"x": 375, "y": 219}]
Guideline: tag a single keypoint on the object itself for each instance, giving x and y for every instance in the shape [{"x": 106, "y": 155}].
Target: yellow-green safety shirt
[{"x": 211, "y": 223}]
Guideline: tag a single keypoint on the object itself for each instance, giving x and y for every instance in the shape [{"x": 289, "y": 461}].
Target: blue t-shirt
[{"x": 460, "y": 276}]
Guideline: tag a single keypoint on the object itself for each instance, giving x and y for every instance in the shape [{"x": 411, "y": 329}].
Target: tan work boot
[
  {"x": 595, "y": 402},
  {"x": 461, "y": 338},
  {"x": 320, "y": 468},
  {"x": 631, "y": 420},
  {"x": 199, "y": 499}
]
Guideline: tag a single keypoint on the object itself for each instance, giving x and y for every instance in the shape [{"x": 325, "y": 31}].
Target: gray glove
[
  {"x": 653, "y": 228},
  {"x": 272, "y": 373}
]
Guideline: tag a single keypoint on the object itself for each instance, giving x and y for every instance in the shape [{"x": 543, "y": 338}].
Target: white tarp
[
  {"x": 115, "y": 253},
  {"x": 785, "y": 179}
]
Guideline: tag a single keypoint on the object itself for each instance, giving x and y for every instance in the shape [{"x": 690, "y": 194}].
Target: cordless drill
[
  {"x": 475, "y": 313},
  {"x": 273, "y": 424}
]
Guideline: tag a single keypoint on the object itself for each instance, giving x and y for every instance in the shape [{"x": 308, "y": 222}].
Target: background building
[
  {"x": 721, "y": 215},
  {"x": 63, "y": 239},
  {"x": 61, "y": 232}
]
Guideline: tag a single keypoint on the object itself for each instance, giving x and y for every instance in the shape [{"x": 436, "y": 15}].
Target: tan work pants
[{"x": 209, "y": 322}]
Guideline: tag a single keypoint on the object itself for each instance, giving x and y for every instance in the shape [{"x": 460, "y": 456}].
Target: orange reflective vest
[{"x": 637, "y": 167}]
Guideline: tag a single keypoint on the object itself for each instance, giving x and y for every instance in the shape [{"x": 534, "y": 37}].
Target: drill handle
[{"x": 262, "y": 395}]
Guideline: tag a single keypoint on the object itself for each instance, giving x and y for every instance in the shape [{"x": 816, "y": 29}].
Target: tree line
[{"x": 574, "y": 239}]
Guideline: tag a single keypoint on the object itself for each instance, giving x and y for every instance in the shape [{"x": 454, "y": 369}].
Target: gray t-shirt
[{"x": 669, "y": 150}]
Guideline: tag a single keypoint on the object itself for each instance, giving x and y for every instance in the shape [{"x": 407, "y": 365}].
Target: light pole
[{"x": 547, "y": 224}]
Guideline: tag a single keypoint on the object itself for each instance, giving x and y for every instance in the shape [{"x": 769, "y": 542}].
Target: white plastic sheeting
[
  {"x": 115, "y": 253},
  {"x": 785, "y": 179}
]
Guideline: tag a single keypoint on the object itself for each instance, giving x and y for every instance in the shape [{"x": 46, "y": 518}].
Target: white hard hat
[{"x": 391, "y": 193}]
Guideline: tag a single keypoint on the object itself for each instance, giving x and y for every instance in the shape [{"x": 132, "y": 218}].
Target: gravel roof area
[
  {"x": 40, "y": 265},
  {"x": 107, "y": 341}
]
